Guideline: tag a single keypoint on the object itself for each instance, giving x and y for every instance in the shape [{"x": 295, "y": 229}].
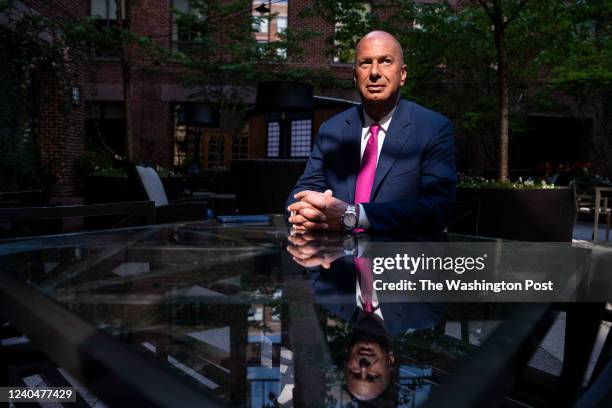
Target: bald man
[{"x": 385, "y": 165}]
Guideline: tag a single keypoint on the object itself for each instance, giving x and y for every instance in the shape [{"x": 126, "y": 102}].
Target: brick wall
[
  {"x": 59, "y": 9},
  {"x": 316, "y": 50},
  {"x": 61, "y": 124},
  {"x": 151, "y": 124}
]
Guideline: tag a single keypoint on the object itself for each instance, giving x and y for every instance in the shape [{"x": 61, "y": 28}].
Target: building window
[
  {"x": 240, "y": 145},
  {"x": 187, "y": 29},
  {"x": 273, "y": 139},
  {"x": 106, "y": 10},
  {"x": 260, "y": 25},
  {"x": 344, "y": 45},
  {"x": 105, "y": 125},
  {"x": 267, "y": 26},
  {"x": 180, "y": 142},
  {"x": 301, "y": 137},
  {"x": 289, "y": 135},
  {"x": 265, "y": 387},
  {"x": 215, "y": 157},
  {"x": 281, "y": 24}
]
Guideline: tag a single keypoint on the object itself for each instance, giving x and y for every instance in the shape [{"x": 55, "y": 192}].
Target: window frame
[
  {"x": 108, "y": 18},
  {"x": 285, "y": 146},
  {"x": 176, "y": 43}
]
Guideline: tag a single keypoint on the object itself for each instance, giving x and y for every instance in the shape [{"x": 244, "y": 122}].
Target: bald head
[
  {"x": 368, "y": 369},
  {"x": 381, "y": 36},
  {"x": 379, "y": 72}
]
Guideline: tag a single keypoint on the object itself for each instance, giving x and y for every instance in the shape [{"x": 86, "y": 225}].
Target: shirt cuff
[{"x": 363, "y": 222}]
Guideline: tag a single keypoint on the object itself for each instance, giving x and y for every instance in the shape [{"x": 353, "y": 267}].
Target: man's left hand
[
  {"x": 312, "y": 250},
  {"x": 329, "y": 214}
]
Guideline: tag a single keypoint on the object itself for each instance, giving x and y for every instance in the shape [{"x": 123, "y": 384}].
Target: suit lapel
[
  {"x": 395, "y": 139},
  {"x": 351, "y": 141}
]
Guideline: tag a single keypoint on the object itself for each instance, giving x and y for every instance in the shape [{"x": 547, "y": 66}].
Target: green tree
[
  {"x": 582, "y": 67},
  {"x": 92, "y": 39},
  {"x": 29, "y": 55},
  {"x": 492, "y": 51},
  {"x": 481, "y": 63},
  {"x": 224, "y": 61}
]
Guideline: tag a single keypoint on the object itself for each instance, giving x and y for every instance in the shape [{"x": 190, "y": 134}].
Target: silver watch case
[{"x": 349, "y": 218}]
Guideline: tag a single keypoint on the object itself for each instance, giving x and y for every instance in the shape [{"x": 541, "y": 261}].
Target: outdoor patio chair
[
  {"x": 147, "y": 185},
  {"x": 586, "y": 204},
  {"x": 18, "y": 221}
]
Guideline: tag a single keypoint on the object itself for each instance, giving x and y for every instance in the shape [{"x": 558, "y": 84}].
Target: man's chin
[{"x": 375, "y": 99}]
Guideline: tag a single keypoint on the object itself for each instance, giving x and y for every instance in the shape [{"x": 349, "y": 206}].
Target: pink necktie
[
  {"x": 367, "y": 171},
  {"x": 364, "y": 268}
]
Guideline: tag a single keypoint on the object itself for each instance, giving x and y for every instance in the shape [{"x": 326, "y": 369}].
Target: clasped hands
[
  {"x": 316, "y": 211},
  {"x": 313, "y": 250}
]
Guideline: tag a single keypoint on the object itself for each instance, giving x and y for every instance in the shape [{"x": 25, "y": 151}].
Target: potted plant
[
  {"x": 523, "y": 210},
  {"x": 103, "y": 180}
]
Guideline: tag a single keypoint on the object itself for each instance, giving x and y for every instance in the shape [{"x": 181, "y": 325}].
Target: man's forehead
[{"x": 378, "y": 45}]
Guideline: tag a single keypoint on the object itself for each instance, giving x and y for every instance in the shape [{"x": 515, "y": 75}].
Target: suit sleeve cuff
[{"x": 363, "y": 222}]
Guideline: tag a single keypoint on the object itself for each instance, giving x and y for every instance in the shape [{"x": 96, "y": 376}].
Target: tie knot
[{"x": 374, "y": 128}]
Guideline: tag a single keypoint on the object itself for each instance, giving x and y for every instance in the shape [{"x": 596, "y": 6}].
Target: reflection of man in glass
[
  {"x": 344, "y": 286},
  {"x": 370, "y": 362}
]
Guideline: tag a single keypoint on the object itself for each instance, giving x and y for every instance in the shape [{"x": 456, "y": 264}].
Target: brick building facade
[
  {"x": 156, "y": 92},
  {"x": 64, "y": 122}
]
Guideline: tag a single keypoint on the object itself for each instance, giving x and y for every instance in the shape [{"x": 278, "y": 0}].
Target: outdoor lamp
[
  {"x": 284, "y": 97},
  {"x": 196, "y": 114},
  {"x": 262, "y": 9}
]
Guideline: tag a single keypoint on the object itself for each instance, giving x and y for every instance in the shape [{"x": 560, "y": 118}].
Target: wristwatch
[
  {"x": 350, "y": 219},
  {"x": 349, "y": 245}
]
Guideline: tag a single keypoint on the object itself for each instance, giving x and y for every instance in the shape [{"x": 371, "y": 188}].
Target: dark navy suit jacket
[
  {"x": 334, "y": 289},
  {"x": 414, "y": 186}
]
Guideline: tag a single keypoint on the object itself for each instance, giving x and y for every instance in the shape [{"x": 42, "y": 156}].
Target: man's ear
[{"x": 403, "y": 74}]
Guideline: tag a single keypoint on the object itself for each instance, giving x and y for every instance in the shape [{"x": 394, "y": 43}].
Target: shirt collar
[{"x": 384, "y": 122}]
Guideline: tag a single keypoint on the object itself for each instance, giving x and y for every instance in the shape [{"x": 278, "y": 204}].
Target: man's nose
[
  {"x": 374, "y": 75},
  {"x": 363, "y": 372}
]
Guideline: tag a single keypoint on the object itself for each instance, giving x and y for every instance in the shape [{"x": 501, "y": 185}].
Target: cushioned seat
[{"x": 147, "y": 185}]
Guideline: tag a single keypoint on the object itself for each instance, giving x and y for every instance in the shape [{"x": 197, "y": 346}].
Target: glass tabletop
[{"x": 230, "y": 310}]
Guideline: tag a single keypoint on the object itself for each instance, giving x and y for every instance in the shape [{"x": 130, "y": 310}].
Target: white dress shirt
[{"x": 365, "y": 136}]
